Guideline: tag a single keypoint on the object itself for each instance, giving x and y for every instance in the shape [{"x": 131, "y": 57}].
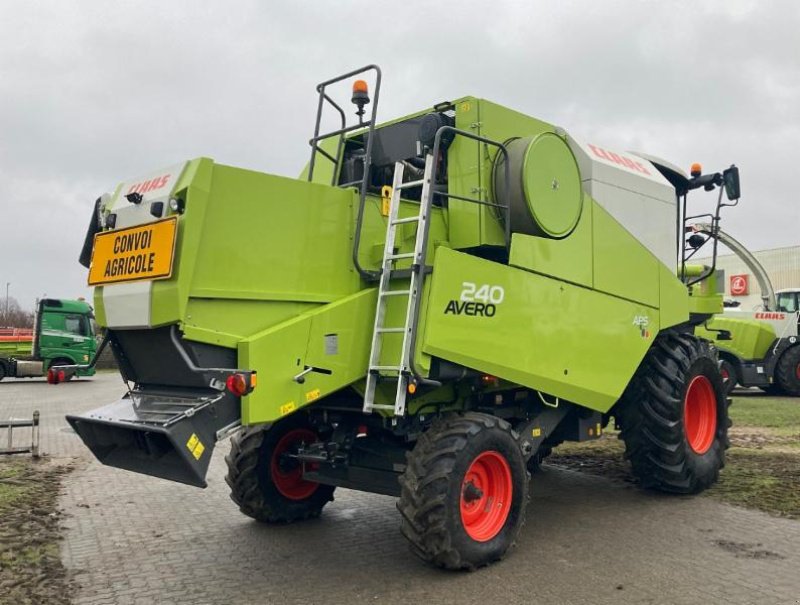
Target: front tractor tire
[
  {"x": 674, "y": 416},
  {"x": 464, "y": 491},
  {"x": 268, "y": 485},
  {"x": 787, "y": 372}
]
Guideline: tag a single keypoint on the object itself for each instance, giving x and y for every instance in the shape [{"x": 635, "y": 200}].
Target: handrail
[{"x": 370, "y": 125}]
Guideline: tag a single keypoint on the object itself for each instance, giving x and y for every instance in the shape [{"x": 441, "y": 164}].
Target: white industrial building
[{"x": 782, "y": 265}]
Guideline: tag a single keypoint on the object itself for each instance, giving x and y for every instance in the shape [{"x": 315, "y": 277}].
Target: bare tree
[{"x": 14, "y": 316}]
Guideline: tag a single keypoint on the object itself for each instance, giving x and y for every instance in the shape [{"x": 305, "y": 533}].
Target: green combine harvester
[
  {"x": 756, "y": 348},
  {"x": 431, "y": 307}
]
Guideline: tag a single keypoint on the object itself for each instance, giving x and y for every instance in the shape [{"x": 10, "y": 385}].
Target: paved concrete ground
[{"x": 134, "y": 539}]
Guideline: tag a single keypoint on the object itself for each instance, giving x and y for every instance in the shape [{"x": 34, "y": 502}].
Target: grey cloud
[{"x": 92, "y": 93}]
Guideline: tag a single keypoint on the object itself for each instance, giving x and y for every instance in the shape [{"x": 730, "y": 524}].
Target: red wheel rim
[
  {"x": 724, "y": 373},
  {"x": 700, "y": 414},
  {"x": 486, "y": 495},
  {"x": 289, "y": 481},
  {"x": 797, "y": 371}
]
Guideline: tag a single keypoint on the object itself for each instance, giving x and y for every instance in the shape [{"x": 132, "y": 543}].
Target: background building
[{"x": 782, "y": 265}]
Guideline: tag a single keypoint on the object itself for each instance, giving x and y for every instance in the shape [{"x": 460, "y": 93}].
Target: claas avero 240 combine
[{"x": 430, "y": 308}]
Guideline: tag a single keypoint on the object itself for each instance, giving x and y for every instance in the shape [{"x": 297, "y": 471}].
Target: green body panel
[
  {"x": 65, "y": 334},
  {"x": 705, "y": 297},
  {"x": 557, "y": 257},
  {"x": 750, "y": 339},
  {"x": 285, "y": 350},
  {"x": 544, "y": 334},
  {"x": 621, "y": 265}
]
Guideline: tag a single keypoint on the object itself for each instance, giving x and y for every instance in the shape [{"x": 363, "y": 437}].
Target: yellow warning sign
[
  {"x": 536, "y": 432},
  {"x": 195, "y": 446},
  {"x": 288, "y": 407},
  {"x": 142, "y": 252}
]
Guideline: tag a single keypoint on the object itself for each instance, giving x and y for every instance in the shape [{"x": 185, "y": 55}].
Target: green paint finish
[
  {"x": 544, "y": 334},
  {"x": 551, "y": 182},
  {"x": 560, "y": 258},
  {"x": 464, "y": 177},
  {"x": 622, "y": 265},
  {"x": 750, "y": 339},
  {"x": 673, "y": 299},
  {"x": 500, "y": 124},
  {"x": 705, "y": 297},
  {"x": 227, "y": 321},
  {"x": 334, "y": 338}
]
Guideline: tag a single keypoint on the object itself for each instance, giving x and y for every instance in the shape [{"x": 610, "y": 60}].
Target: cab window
[
  {"x": 75, "y": 324},
  {"x": 787, "y": 302}
]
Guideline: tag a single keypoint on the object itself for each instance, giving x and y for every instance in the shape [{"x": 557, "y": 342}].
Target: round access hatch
[{"x": 545, "y": 190}]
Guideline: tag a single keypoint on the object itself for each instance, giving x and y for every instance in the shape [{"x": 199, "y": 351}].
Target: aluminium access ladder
[{"x": 402, "y": 372}]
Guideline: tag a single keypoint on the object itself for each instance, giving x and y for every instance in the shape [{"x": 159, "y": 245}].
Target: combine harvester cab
[{"x": 433, "y": 305}]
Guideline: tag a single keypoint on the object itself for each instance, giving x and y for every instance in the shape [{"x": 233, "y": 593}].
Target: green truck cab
[{"x": 63, "y": 334}]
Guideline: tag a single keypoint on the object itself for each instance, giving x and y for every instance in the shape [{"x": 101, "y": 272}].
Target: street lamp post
[{"x": 8, "y": 283}]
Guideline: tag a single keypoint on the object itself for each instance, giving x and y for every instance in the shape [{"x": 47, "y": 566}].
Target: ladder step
[
  {"x": 391, "y": 330},
  {"x": 386, "y": 368},
  {"x": 410, "y": 219},
  {"x": 400, "y": 256},
  {"x": 411, "y": 184},
  {"x": 396, "y": 293},
  {"x": 382, "y": 406}
]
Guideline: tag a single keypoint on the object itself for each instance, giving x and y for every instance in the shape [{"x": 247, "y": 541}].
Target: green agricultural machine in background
[
  {"x": 435, "y": 303},
  {"x": 62, "y": 335},
  {"x": 756, "y": 348}
]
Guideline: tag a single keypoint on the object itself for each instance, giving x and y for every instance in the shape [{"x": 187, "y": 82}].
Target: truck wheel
[
  {"x": 728, "y": 372},
  {"x": 464, "y": 491},
  {"x": 787, "y": 372},
  {"x": 63, "y": 362},
  {"x": 674, "y": 416},
  {"x": 2, "y": 370},
  {"x": 265, "y": 484}
]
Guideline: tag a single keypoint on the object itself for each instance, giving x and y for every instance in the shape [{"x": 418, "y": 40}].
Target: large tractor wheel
[
  {"x": 464, "y": 491},
  {"x": 787, "y": 372},
  {"x": 268, "y": 485},
  {"x": 674, "y": 416},
  {"x": 729, "y": 376}
]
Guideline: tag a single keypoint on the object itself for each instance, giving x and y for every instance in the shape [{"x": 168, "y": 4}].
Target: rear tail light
[
  {"x": 240, "y": 384},
  {"x": 54, "y": 376}
]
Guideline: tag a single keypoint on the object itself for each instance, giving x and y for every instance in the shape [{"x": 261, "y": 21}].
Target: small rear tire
[
  {"x": 2, "y": 370},
  {"x": 729, "y": 376},
  {"x": 787, "y": 371},
  {"x": 674, "y": 416},
  {"x": 464, "y": 491},
  {"x": 268, "y": 486}
]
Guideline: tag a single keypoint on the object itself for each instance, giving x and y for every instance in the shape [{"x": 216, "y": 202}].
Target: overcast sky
[{"x": 93, "y": 93}]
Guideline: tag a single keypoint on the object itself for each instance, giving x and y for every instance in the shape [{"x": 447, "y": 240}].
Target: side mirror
[{"x": 730, "y": 178}]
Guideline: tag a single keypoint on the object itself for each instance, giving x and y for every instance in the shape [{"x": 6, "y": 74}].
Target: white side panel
[
  {"x": 635, "y": 193},
  {"x": 155, "y": 187},
  {"x": 128, "y": 305}
]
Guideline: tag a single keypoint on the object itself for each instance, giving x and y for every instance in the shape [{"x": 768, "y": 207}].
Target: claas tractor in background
[
  {"x": 756, "y": 348},
  {"x": 428, "y": 309}
]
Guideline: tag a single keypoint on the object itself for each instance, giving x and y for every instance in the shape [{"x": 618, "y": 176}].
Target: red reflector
[
  {"x": 237, "y": 384},
  {"x": 61, "y": 376},
  {"x": 52, "y": 377}
]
